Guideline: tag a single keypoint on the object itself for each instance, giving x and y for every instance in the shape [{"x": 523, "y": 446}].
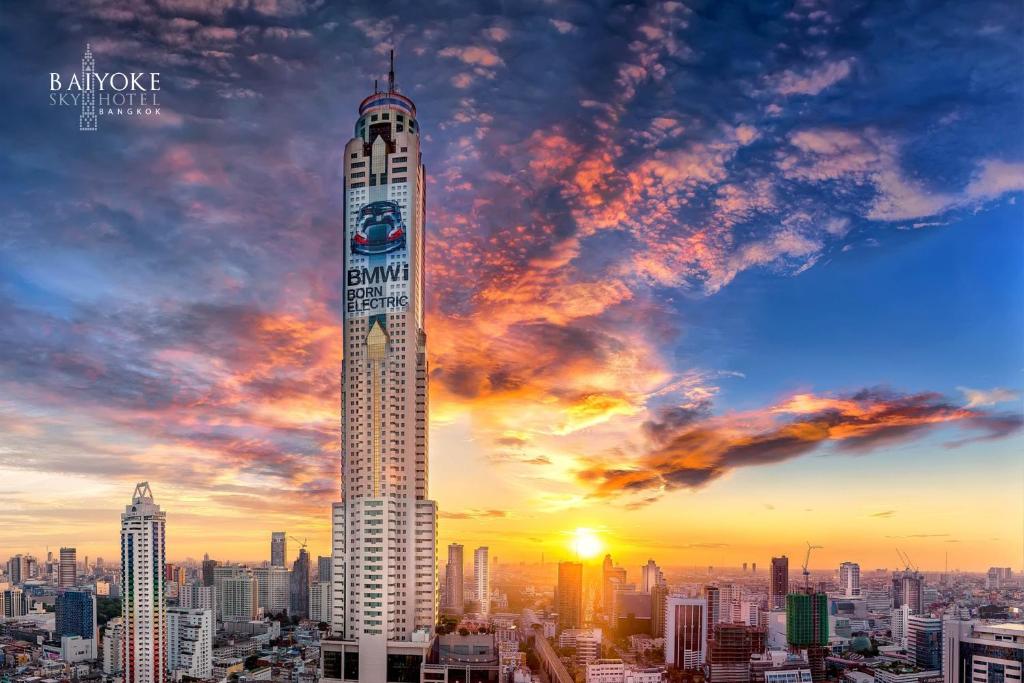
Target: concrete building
[
  {"x": 849, "y": 579},
  {"x": 730, "y": 651},
  {"x": 384, "y": 526},
  {"x": 273, "y": 586},
  {"x": 686, "y": 632},
  {"x": 651, "y": 576},
  {"x": 298, "y": 603},
  {"x": 454, "y": 580},
  {"x": 320, "y": 601},
  {"x": 482, "y": 580},
  {"x": 569, "y": 595},
  {"x": 279, "y": 549},
  {"x": 778, "y": 587},
  {"x": 190, "y": 642},
  {"x": 237, "y": 593},
  {"x": 67, "y": 570},
  {"x": 113, "y": 647},
  {"x": 982, "y": 652},
  {"x": 143, "y": 605},
  {"x": 898, "y": 625}
]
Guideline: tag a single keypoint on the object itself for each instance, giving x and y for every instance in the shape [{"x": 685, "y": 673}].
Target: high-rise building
[
  {"x": 454, "y": 582},
  {"x": 482, "y": 580},
  {"x": 569, "y": 595},
  {"x": 323, "y": 570},
  {"x": 75, "y": 615},
  {"x": 912, "y": 592},
  {"x": 143, "y": 607},
  {"x": 898, "y": 625},
  {"x": 237, "y": 593},
  {"x": 208, "y": 567},
  {"x": 190, "y": 642},
  {"x": 806, "y": 619},
  {"x": 17, "y": 569},
  {"x": 730, "y": 650},
  {"x": 982, "y": 652},
  {"x": 278, "y": 549},
  {"x": 612, "y": 578},
  {"x": 67, "y": 572},
  {"x": 384, "y": 528},
  {"x": 113, "y": 646},
  {"x": 299, "y": 602},
  {"x": 273, "y": 589},
  {"x": 779, "y": 583},
  {"x": 713, "y": 598},
  {"x": 849, "y": 579},
  {"x": 924, "y": 641},
  {"x": 686, "y": 632},
  {"x": 13, "y": 602},
  {"x": 659, "y": 601},
  {"x": 650, "y": 576},
  {"x": 320, "y": 601}
]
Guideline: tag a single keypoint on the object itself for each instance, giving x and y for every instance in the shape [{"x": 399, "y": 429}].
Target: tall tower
[
  {"x": 87, "y": 118},
  {"x": 454, "y": 579},
  {"x": 278, "y": 548},
  {"x": 779, "y": 583},
  {"x": 142, "y": 589},
  {"x": 482, "y": 579},
  {"x": 384, "y": 527},
  {"x": 67, "y": 570},
  {"x": 849, "y": 579},
  {"x": 569, "y": 595}
]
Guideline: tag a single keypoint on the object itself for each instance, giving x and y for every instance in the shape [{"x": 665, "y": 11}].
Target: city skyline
[{"x": 793, "y": 314}]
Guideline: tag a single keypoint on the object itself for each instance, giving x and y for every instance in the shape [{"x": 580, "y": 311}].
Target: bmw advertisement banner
[{"x": 377, "y": 273}]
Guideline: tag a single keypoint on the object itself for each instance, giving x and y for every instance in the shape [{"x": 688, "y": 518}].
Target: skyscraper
[
  {"x": 611, "y": 578},
  {"x": 143, "y": 609},
  {"x": 686, "y": 632},
  {"x": 482, "y": 580},
  {"x": 454, "y": 580},
  {"x": 924, "y": 641},
  {"x": 982, "y": 651},
  {"x": 569, "y": 595},
  {"x": 713, "y": 598},
  {"x": 779, "y": 586},
  {"x": 650, "y": 576},
  {"x": 75, "y": 615},
  {"x": 729, "y": 651},
  {"x": 384, "y": 525},
  {"x": 273, "y": 589},
  {"x": 67, "y": 572},
  {"x": 849, "y": 579},
  {"x": 208, "y": 567},
  {"x": 301, "y": 570},
  {"x": 278, "y": 549},
  {"x": 912, "y": 591}
]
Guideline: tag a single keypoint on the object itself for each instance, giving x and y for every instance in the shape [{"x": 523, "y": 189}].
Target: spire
[{"x": 391, "y": 74}]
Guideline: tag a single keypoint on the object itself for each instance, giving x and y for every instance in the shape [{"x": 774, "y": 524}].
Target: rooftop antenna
[
  {"x": 391, "y": 74},
  {"x": 375, "y": 91}
]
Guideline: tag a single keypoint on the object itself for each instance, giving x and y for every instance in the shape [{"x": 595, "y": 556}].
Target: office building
[
  {"x": 651, "y": 576},
  {"x": 67, "y": 571},
  {"x": 143, "y": 606},
  {"x": 778, "y": 587},
  {"x": 13, "y": 602},
  {"x": 713, "y": 598},
  {"x": 659, "y": 600},
  {"x": 323, "y": 569},
  {"x": 207, "y": 571},
  {"x": 982, "y": 652},
  {"x": 75, "y": 615},
  {"x": 898, "y": 624},
  {"x": 190, "y": 642},
  {"x": 924, "y": 641},
  {"x": 454, "y": 581},
  {"x": 18, "y": 569},
  {"x": 384, "y": 527},
  {"x": 569, "y": 595},
  {"x": 273, "y": 589},
  {"x": 686, "y": 632},
  {"x": 278, "y": 549},
  {"x": 612, "y": 579},
  {"x": 849, "y": 579}
]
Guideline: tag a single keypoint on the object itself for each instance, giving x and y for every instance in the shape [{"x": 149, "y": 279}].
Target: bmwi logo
[{"x": 98, "y": 94}]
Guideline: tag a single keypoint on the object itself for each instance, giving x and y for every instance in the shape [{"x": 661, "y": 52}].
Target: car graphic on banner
[{"x": 379, "y": 229}]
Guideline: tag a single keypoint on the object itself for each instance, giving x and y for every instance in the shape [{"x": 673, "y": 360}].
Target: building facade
[
  {"x": 143, "y": 606},
  {"x": 686, "y": 632},
  {"x": 849, "y": 579},
  {"x": 778, "y": 587},
  {"x": 569, "y": 595},
  {"x": 278, "y": 549},
  {"x": 982, "y": 652},
  {"x": 75, "y": 615},
  {"x": 482, "y": 580},
  {"x": 273, "y": 586},
  {"x": 454, "y": 580},
  {"x": 190, "y": 642},
  {"x": 384, "y": 527},
  {"x": 67, "y": 570}
]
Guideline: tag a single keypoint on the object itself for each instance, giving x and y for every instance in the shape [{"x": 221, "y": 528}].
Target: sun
[{"x": 585, "y": 543}]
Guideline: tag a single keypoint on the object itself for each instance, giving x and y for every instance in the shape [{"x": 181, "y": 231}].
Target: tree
[{"x": 463, "y": 631}]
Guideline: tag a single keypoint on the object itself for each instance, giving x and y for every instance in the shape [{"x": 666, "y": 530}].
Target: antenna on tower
[
  {"x": 375, "y": 91},
  {"x": 391, "y": 74}
]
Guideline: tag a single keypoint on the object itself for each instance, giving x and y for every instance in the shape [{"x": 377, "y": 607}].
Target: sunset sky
[{"x": 709, "y": 279}]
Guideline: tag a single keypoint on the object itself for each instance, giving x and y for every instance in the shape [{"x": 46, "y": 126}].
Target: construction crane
[
  {"x": 807, "y": 562},
  {"x": 905, "y": 559},
  {"x": 302, "y": 543}
]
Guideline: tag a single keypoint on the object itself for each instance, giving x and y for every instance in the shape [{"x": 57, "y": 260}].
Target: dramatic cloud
[{"x": 695, "y": 454}]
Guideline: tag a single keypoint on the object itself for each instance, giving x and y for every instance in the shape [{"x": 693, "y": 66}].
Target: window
[{"x": 352, "y": 666}]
